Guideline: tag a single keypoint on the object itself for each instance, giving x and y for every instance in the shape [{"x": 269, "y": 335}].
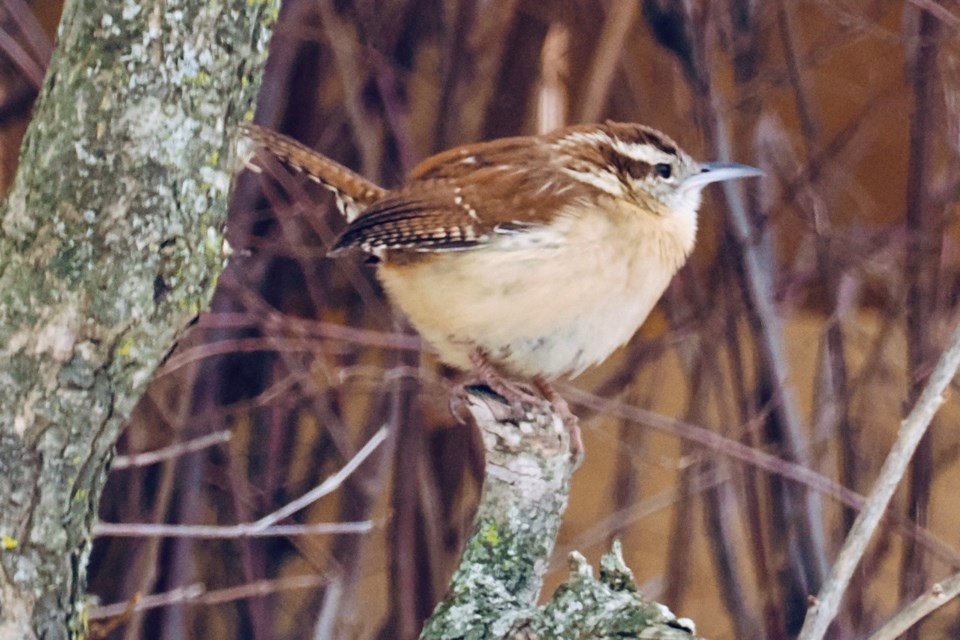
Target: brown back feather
[{"x": 465, "y": 196}]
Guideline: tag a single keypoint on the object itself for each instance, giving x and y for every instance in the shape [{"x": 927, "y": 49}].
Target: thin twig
[
  {"x": 911, "y": 431},
  {"x": 266, "y": 344},
  {"x": 37, "y": 40},
  {"x": 265, "y": 526},
  {"x": 177, "y": 478},
  {"x": 21, "y": 58},
  {"x": 273, "y": 321},
  {"x": 173, "y": 451},
  {"x": 770, "y": 334},
  {"x": 938, "y": 595},
  {"x": 221, "y": 532},
  {"x": 923, "y": 261},
  {"x": 327, "y": 486},
  {"x": 197, "y": 594}
]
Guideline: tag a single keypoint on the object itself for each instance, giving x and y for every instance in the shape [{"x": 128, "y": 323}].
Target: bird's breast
[{"x": 548, "y": 301}]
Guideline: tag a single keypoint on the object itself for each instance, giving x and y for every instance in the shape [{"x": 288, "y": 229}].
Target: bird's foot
[
  {"x": 516, "y": 394},
  {"x": 570, "y": 419}
]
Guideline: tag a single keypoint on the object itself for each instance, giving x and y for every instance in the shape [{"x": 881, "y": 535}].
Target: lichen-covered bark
[
  {"x": 110, "y": 242},
  {"x": 608, "y": 608},
  {"x": 493, "y": 594},
  {"x": 525, "y": 490}
]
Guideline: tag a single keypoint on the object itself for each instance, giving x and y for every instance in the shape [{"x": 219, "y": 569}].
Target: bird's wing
[{"x": 465, "y": 197}]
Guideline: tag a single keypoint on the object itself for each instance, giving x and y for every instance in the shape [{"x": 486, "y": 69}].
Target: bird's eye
[{"x": 663, "y": 170}]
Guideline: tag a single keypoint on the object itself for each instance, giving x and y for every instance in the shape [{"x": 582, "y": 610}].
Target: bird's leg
[
  {"x": 570, "y": 419},
  {"x": 513, "y": 392},
  {"x": 484, "y": 373},
  {"x": 517, "y": 393}
]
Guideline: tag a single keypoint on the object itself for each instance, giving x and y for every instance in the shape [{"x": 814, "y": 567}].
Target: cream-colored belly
[{"x": 549, "y": 302}]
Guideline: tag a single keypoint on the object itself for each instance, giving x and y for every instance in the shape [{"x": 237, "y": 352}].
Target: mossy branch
[{"x": 495, "y": 590}]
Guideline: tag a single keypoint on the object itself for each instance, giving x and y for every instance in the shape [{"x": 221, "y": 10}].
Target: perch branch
[{"x": 494, "y": 592}]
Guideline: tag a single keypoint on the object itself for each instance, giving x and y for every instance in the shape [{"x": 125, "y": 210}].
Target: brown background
[{"x": 853, "y": 110}]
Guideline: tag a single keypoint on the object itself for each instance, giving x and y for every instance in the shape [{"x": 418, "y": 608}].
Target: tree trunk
[{"x": 110, "y": 244}]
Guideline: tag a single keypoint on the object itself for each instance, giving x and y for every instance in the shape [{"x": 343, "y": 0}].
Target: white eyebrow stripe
[
  {"x": 603, "y": 180},
  {"x": 640, "y": 152},
  {"x": 643, "y": 152}
]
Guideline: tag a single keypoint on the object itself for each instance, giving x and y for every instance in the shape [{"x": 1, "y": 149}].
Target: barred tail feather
[{"x": 353, "y": 192}]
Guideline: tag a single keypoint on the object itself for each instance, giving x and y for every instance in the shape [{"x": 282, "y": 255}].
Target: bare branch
[
  {"x": 173, "y": 451},
  {"x": 909, "y": 435},
  {"x": 938, "y": 595},
  {"x": 327, "y": 486},
  {"x": 197, "y": 594},
  {"x": 220, "y": 532}
]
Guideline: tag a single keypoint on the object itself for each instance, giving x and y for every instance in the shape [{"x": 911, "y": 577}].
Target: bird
[{"x": 527, "y": 258}]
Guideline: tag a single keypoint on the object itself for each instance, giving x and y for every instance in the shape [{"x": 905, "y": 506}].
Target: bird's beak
[{"x": 718, "y": 171}]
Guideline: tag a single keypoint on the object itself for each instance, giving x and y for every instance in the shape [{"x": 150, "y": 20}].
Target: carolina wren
[{"x": 539, "y": 255}]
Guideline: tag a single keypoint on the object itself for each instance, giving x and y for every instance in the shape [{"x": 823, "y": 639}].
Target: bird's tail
[{"x": 353, "y": 192}]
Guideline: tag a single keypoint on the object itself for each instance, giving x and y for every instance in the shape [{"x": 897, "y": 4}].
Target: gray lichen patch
[{"x": 17, "y": 224}]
